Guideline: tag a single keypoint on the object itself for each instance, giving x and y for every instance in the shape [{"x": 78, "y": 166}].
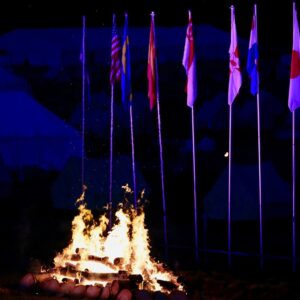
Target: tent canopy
[
  {"x": 31, "y": 135},
  {"x": 276, "y": 194}
]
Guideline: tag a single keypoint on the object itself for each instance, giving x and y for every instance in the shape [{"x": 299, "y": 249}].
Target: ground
[{"x": 201, "y": 285}]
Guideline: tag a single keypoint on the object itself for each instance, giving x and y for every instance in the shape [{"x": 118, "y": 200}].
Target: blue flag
[
  {"x": 126, "y": 70},
  {"x": 252, "y": 62}
]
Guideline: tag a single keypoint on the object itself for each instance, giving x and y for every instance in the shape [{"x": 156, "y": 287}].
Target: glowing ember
[{"x": 97, "y": 256}]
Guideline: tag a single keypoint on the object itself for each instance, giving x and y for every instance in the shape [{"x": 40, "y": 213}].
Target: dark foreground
[{"x": 200, "y": 285}]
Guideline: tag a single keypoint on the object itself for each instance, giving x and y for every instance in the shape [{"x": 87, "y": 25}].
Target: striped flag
[
  {"x": 235, "y": 76},
  {"x": 252, "y": 61},
  {"x": 189, "y": 63},
  {"x": 126, "y": 70},
  {"x": 151, "y": 69},
  {"x": 294, "y": 89},
  {"x": 115, "y": 66}
]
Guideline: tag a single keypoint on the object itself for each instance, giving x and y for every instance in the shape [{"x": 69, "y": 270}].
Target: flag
[
  {"x": 115, "y": 66},
  {"x": 252, "y": 61},
  {"x": 189, "y": 63},
  {"x": 294, "y": 89},
  {"x": 151, "y": 69},
  {"x": 126, "y": 71},
  {"x": 235, "y": 77}
]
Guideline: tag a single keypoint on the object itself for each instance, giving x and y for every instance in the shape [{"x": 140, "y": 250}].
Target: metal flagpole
[
  {"x": 161, "y": 156},
  {"x": 83, "y": 107},
  {"x": 294, "y": 192},
  {"x": 133, "y": 156},
  {"x": 195, "y": 189},
  {"x": 259, "y": 161},
  {"x": 229, "y": 187},
  {"x": 111, "y": 152},
  {"x": 259, "y": 186}
]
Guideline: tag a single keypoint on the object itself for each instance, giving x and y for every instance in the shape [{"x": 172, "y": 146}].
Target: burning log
[
  {"x": 115, "y": 287},
  {"x": 66, "y": 288},
  {"x": 105, "y": 293},
  {"x": 125, "y": 294},
  {"x": 39, "y": 277},
  {"x": 168, "y": 285},
  {"x": 50, "y": 286},
  {"x": 118, "y": 261},
  {"x": 92, "y": 291},
  {"x": 136, "y": 278},
  {"x": 78, "y": 291},
  {"x": 75, "y": 257}
]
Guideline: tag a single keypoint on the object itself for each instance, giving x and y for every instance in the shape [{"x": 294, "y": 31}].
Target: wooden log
[
  {"x": 75, "y": 257},
  {"x": 28, "y": 281},
  {"x": 168, "y": 285},
  {"x": 39, "y": 277},
  {"x": 136, "y": 278},
  {"x": 92, "y": 292},
  {"x": 78, "y": 291},
  {"x": 178, "y": 295},
  {"x": 105, "y": 293},
  {"x": 66, "y": 288},
  {"x": 51, "y": 286},
  {"x": 114, "y": 288},
  {"x": 118, "y": 261},
  {"x": 124, "y": 294}
]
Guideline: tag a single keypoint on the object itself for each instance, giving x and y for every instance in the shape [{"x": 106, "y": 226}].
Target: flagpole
[
  {"x": 259, "y": 162},
  {"x": 161, "y": 157},
  {"x": 259, "y": 185},
  {"x": 294, "y": 191},
  {"x": 133, "y": 156},
  {"x": 195, "y": 189},
  {"x": 229, "y": 187},
  {"x": 83, "y": 107},
  {"x": 111, "y": 152}
]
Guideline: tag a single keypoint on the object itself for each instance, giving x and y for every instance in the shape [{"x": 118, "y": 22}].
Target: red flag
[
  {"x": 294, "y": 90},
  {"x": 189, "y": 63},
  {"x": 151, "y": 70},
  {"x": 235, "y": 77},
  {"x": 115, "y": 67}
]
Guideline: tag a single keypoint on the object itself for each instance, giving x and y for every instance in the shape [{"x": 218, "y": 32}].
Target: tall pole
[
  {"x": 229, "y": 187},
  {"x": 133, "y": 157},
  {"x": 259, "y": 187},
  {"x": 83, "y": 107},
  {"x": 111, "y": 152},
  {"x": 195, "y": 189},
  {"x": 261, "y": 252},
  {"x": 294, "y": 192},
  {"x": 161, "y": 156}
]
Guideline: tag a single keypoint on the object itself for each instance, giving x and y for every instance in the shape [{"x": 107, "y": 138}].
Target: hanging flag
[
  {"x": 151, "y": 69},
  {"x": 115, "y": 66},
  {"x": 126, "y": 71},
  {"x": 252, "y": 61},
  {"x": 294, "y": 89},
  {"x": 235, "y": 76},
  {"x": 189, "y": 63}
]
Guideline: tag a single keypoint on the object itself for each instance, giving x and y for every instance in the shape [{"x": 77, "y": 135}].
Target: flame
[{"x": 124, "y": 248}]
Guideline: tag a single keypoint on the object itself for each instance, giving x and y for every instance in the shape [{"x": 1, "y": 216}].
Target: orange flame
[{"x": 124, "y": 248}]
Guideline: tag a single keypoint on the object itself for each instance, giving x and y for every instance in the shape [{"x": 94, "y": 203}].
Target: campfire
[{"x": 106, "y": 259}]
